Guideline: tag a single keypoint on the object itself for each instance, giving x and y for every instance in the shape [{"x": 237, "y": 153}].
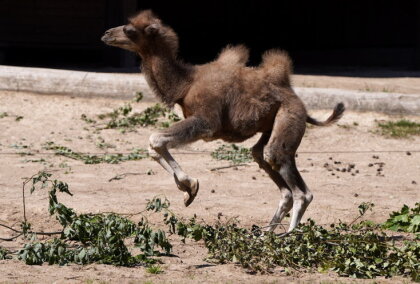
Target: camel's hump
[{"x": 237, "y": 55}]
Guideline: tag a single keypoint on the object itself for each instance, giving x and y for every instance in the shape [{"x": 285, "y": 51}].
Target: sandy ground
[{"x": 245, "y": 192}]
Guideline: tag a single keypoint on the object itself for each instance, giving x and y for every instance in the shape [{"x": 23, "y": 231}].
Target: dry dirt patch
[{"x": 245, "y": 192}]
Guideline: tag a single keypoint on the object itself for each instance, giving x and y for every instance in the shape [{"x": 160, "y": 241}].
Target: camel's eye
[{"x": 130, "y": 31}]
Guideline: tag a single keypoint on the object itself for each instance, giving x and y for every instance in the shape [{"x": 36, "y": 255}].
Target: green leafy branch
[
  {"x": 234, "y": 153},
  {"x": 86, "y": 238},
  {"x": 136, "y": 154},
  {"x": 124, "y": 118},
  {"x": 405, "y": 220},
  {"x": 352, "y": 250}
]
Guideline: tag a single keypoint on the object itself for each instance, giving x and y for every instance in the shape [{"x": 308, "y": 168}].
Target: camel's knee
[
  {"x": 275, "y": 159},
  {"x": 156, "y": 141},
  {"x": 287, "y": 196},
  {"x": 303, "y": 198},
  {"x": 287, "y": 201},
  {"x": 152, "y": 153},
  {"x": 308, "y": 197}
]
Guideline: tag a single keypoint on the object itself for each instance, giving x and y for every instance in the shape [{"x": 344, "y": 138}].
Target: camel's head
[
  {"x": 144, "y": 34},
  {"x": 117, "y": 37}
]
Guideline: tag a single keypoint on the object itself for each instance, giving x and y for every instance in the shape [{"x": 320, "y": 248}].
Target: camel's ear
[{"x": 152, "y": 29}]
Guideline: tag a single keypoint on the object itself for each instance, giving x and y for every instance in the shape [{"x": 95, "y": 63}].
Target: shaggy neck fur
[{"x": 168, "y": 78}]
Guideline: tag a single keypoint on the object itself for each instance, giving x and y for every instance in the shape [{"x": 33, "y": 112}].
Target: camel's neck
[{"x": 168, "y": 78}]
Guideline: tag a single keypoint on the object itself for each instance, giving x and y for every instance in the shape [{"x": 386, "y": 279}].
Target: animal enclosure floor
[{"x": 244, "y": 192}]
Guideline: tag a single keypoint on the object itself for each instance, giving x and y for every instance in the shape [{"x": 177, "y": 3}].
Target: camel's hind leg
[
  {"x": 288, "y": 130},
  {"x": 302, "y": 197},
  {"x": 286, "y": 202}
]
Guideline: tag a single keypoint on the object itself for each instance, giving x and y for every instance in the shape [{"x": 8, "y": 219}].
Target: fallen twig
[
  {"x": 11, "y": 239},
  {"x": 226, "y": 167},
  {"x": 121, "y": 176}
]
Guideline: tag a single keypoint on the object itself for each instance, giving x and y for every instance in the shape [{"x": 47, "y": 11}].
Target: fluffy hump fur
[
  {"x": 234, "y": 55},
  {"x": 278, "y": 66}
]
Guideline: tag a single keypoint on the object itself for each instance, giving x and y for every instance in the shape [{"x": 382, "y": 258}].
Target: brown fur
[
  {"x": 224, "y": 99},
  {"x": 234, "y": 55}
]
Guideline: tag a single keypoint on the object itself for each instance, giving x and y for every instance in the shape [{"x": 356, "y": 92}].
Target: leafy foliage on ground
[
  {"x": 154, "y": 269},
  {"x": 156, "y": 115},
  {"x": 360, "y": 250},
  {"x": 4, "y": 254},
  {"x": 136, "y": 154},
  {"x": 405, "y": 220},
  {"x": 234, "y": 153},
  {"x": 124, "y": 118},
  {"x": 89, "y": 238},
  {"x": 350, "y": 250},
  {"x": 399, "y": 129}
]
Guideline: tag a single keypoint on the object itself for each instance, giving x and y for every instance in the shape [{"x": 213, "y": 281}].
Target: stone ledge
[{"x": 125, "y": 86}]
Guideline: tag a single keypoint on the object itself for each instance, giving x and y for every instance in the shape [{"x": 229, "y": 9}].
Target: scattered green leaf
[
  {"x": 400, "y": 129},
  {"x": 136, "y": 154},
  {"x": 235, "y": 154}
]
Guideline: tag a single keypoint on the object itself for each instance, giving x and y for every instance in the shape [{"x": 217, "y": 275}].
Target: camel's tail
[{"x": 334, "y": 117}]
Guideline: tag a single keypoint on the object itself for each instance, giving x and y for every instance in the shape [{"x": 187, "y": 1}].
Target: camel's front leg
[{"x": 181, "y": 133}]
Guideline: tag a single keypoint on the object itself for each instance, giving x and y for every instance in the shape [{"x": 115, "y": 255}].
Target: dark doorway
[{"x": 321, "y": 36}]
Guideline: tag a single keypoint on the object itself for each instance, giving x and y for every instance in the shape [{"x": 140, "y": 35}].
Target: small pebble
[
  {"x": 213, "y": 191},
  {"x": 413, "y": 182},
  {"x": 370, "y": 165},
  {"x": 408, "y": 153},
  {"x": 356, "y": 195},
  {"x": 254, "y": 178},
  {"x": 357, "y": 171}
]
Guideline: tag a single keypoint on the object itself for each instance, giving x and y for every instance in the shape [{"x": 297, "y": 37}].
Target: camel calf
[{"x": 227, "y": 100}]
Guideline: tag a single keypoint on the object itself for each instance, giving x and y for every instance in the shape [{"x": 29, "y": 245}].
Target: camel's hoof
[
  {"x": 191, "y": 193},
  {"x": 181, "y": 186}
]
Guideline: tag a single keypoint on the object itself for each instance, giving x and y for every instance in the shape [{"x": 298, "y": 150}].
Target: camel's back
[{"x": 244, "y": 100}]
